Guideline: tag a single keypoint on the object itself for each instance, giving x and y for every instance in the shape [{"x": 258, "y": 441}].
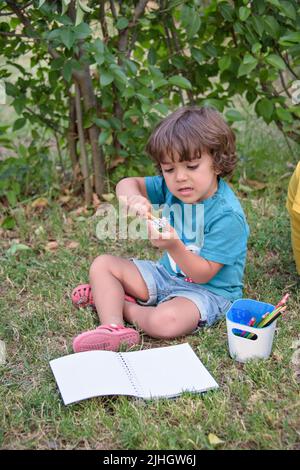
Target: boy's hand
[
  {"x": 138, "y": 205},
  {"x": 164, "y": 239}
]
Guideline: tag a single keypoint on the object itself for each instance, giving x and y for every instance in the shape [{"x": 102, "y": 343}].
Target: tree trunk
[
  {"x": 88, "y": 192},
  {"x": 73, "y": 137},
  {"x": 89, "y": 102}
]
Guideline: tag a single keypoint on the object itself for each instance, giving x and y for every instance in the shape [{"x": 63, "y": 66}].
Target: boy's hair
[{"x": 188, "y": 132}]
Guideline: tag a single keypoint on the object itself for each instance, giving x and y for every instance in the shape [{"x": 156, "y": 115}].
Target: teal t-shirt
[{"x": 215, "y": 229}]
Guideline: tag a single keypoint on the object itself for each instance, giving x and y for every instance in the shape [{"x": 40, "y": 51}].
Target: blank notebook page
[
  {"x": 169, "y": 371},
  {"x": 90, "y": 374}
]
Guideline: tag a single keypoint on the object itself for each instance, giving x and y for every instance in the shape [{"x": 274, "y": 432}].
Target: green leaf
[
  {"x": 67, "y": 70},
  {"x": 284, "y": 115},
  {"x": 152, "y": 56},
  {"x": 102, "y": 123},
  {"x": 106, "y": 78},
  {"x": 194, "y": 25},
  {"x": 12, "y": 198},
  {"x": 19, "y": 104},
  {"x": 264, "y": 107},
  {"x": 214, "y": 103},
  {"x": 122, "y": 23},
  {"x": 226, "y": 11},
  {"x": 288, "y": 9},
  {"x": 244, "y": 12},
  {"x": 99, "y": 51},
  {"x": 224, "y": 63},
  {"x": 118, "y": 73},
  {"x": 181, "y": 82},
  {"x": 258, "y": 25},
  {"x": 19, "y": 123},
  {"x": 197, "y": 55},
  {"x": 274, "y": 2},
  {"x": 82, "y": 31},
  {"x": 249, "y": 59},
  {"x": 158, "y": 83},
  {"x": 104, "y": 135},
  {"x": 256, "y": 48},
  {"x": 234, "y": 115},
  {"x": 41, "y": 3},
  {"x": 245, "y": 69},
  {"x": 67, "y": 37},
  {"x": 272, "y": 26},
  {"x": 8, "y": 223},
  {"x": 290, "y": 39},
  {"x": 17, "y": 247},
  {"x": 276, "y": 61}
]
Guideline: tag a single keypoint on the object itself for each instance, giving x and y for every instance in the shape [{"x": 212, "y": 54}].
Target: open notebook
[{"x": 151, "y": 373}]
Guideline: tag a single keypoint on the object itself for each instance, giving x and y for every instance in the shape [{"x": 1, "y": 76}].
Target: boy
[{"x": 205, "y": 241}]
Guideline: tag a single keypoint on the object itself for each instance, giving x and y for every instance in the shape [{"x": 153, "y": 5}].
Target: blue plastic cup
[{"x": 247, "y": 342}]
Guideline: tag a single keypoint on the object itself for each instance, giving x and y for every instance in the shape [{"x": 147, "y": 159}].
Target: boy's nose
[{"x": 181, "y": 175}]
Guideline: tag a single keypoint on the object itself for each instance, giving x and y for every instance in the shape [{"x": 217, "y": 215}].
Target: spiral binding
[{"x": 131, "y": 375}]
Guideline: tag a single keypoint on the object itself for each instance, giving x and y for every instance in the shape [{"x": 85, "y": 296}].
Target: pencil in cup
[{"x": 267, "y": 319}]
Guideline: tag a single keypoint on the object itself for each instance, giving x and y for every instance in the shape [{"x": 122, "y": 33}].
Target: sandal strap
[{"x": 111, "y": 327}]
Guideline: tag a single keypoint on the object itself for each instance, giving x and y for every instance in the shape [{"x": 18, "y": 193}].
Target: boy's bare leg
[
  {"x": 110, "y": 278},
  {"x": 176, "y": 317}
]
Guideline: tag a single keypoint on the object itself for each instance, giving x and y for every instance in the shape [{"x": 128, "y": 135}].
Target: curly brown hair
[{"x": 188, "y": 132}]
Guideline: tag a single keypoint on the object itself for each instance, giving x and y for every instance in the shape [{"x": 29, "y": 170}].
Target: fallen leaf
[
  {"x": 108, "y": 197},
  {"x": 214, "y": 440},
  {"x": 40, "y": 203},
  {"x": 17, "y": 247},
  {"x": 51, "y": 246},
  {"x": 96, "y": 200},
  {"x": 117, "y": 161},
  {"x": 40, "y": 230},
  {"x": 72, "y": 245},
  {"x": 64, "y": 199},
  {"x": 81, "y": 210},
  {"x": 277, "y": 356},
  {"x": 258, "y": 185}
]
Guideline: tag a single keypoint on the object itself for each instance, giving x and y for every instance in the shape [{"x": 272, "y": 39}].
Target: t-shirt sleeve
[
  {"x": 156, "y": 189},
  {"x": 226, "y": 239}
]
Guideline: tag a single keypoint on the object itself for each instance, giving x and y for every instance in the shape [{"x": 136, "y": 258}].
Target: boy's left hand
[{"x": 164, "y": 239}]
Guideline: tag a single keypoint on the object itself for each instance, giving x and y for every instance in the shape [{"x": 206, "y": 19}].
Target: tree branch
[
  {"x": 103, "y": 21},
  {"x": 15, "y": 35},
  {"x": 284, "y": 84},
  {"x": 286, "y": 61},
  {"x": 44, "y": 120}
]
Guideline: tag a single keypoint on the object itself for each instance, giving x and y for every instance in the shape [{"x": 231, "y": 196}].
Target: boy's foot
[
  {"x": 82, "y": 296},
  {"x": 106, "y": 337}
]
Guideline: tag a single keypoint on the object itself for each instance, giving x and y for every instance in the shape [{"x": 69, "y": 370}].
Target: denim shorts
[{"x": 162, "y": 286}]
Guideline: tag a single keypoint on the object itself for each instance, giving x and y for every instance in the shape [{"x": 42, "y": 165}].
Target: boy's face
[{"x": 190, "y": 181}]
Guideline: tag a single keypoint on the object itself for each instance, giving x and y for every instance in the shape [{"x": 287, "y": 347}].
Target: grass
[{"x": 257, "y": 405}]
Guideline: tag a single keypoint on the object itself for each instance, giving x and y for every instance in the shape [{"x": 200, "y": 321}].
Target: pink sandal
[
  {"x": 82, "y": 296},
  {"x": 105, "y": 337}
]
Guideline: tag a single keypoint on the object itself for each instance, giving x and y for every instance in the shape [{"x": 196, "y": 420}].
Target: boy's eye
[
  {"x": 168, "y": 170},
  {"x": 192, "y": 167}
]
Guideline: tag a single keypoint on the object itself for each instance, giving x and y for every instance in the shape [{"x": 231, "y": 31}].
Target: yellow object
[{"x": 293, "y": 207}]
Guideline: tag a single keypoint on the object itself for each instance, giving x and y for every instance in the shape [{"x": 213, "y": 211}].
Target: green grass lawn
[{"x": 257, "y": 404}]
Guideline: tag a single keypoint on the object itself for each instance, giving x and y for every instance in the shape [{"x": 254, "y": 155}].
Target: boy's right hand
[{"x": 138, "y": 205}]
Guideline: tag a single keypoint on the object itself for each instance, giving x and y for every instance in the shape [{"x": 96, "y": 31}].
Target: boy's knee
[
  {"x": 164, "y": 323},
  {"x": 102, "y": 262}
]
